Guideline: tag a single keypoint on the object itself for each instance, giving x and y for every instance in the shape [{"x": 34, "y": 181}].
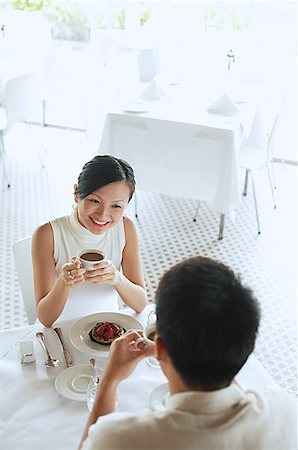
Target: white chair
[
  {"x": 253, "y": 157},
  {"x": 20, "y": 94},
  {"x": 23, "y": 261}
]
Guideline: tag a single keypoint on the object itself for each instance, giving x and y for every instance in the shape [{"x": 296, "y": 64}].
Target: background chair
[
  {"x": 20, "y": 95},
  {"x": 253, "y": 157},
  {"x": 23, "y": 261}
]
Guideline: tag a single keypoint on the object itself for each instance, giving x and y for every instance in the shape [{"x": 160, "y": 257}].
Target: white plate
[
  {"x": 159, "y": 396},
  {"x": 73, "y": 382},
  {"x": 79, "y": 333},
  {"x": 136, "y": 107}
]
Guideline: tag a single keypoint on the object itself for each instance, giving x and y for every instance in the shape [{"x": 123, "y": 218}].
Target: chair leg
[
  {"x": 221, "y": 227},
  {"x": 196, "y": 211},
  {"x": 272, "y": 185},
  {"x": 272, "y": 173},
  {"x": 255, "y": 200},
  {"x": 2, "y": 155},
  {"x": 245, "y": 182},
  {"x": 41, "y": 160},
  {"x": 136, "y": 205},
  {"x": 43, "y": 112}
]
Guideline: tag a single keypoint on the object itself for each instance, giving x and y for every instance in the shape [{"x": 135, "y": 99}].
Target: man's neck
[{"x": 176, "y": 385}]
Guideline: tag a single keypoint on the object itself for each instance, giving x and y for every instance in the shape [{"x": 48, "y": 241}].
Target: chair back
[
  {"x": 23, "y": 261},
  {"x": 272, "y": 139},
  {"x": 20, "y": 97}
]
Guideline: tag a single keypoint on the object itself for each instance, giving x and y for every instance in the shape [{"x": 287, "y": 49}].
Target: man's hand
[{"x": 124, "y": 357}]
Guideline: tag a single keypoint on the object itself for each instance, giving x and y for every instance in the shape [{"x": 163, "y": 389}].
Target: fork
[{"x": 50, "y": 362}]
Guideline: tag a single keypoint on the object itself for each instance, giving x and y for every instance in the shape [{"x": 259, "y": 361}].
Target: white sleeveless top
[{"x": 70, "y": 237}]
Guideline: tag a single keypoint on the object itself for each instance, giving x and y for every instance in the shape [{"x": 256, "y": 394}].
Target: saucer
[
  {"x": 73, "y": 382},
  {"x": 159, "y": 396}
]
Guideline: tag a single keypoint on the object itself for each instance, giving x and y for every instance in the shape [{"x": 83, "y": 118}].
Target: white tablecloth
[
  {"x": 34, "y": 416},
  {"x": 182, "y": 150}
]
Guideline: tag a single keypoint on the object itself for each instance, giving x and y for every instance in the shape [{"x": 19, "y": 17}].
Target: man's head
[{"x": 207, "y": 320}]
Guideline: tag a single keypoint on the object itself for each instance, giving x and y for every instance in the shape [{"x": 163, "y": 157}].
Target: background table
[
  {"x": 180, "y": 149},
  {"x": 34, "y": 416}
]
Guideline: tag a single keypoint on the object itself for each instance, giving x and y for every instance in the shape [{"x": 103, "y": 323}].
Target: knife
[{"x": 67, "y": 356}]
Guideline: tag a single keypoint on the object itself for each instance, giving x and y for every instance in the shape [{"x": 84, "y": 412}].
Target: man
[{"x": 207, "y": 323}]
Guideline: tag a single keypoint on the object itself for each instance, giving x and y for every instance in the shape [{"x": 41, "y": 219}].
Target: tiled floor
[{"x": 267, "y": 262}]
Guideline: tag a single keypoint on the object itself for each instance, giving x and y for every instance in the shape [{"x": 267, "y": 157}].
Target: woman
[{"x": 104, "y": 188}]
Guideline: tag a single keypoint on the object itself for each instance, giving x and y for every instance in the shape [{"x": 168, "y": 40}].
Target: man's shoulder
[
  {"x": 125, "y": 420},
  {"x": 120, "y": 430},
  {"x": 273, "y": 411},
  {"x": 276, "y": 397}
]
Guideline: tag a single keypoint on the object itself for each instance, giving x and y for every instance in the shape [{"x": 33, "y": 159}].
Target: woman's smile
[{"x": 100, "y": 223}]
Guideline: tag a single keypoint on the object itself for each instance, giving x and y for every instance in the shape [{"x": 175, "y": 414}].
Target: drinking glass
[{"x": 91, "y": 392}]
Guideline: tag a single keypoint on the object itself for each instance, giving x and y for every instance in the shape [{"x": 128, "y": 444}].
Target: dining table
[
  {"x": 34, "y": 414},
  {"x": 179, "y": 147}
]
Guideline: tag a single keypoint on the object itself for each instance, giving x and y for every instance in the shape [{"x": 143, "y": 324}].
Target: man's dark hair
[
  {"x": 208, "y": 321},
  {"x": 102, "y": 170}
]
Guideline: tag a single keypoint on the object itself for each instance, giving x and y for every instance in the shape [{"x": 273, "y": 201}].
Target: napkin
[
  {"x": 223, "y": 105},
  {"x": 154, "y": 90}
]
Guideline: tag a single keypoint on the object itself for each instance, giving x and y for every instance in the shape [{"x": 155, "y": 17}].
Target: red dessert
[{"x": 105, "y": 333}]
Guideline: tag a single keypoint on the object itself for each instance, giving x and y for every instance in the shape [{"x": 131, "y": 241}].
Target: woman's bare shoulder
[
  {"x": 43, "y": 232},
  {"x": 129, "y": 227}
]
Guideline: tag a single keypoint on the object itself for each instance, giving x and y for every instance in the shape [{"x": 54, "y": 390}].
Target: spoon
[
  {"x": 95, "y": 369},
  {"x": 50, "y": 362}
]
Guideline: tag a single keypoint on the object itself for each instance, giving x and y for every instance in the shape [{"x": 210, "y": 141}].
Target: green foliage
[
  {"x": 220, "y": 20},
  {"x": 121, "y": 19},
  {"x": 69, "y": 16},
  {"x": 27, "y": 5},
  {"x": 144, "y": 17}
]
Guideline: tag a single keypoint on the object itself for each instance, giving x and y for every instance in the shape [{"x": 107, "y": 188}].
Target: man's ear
[{"x": 160, "y": 350}]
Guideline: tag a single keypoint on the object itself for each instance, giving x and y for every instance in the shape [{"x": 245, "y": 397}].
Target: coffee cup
[
  {"x": 149, "y": 335},
  {"x": 89, "y": 257}
]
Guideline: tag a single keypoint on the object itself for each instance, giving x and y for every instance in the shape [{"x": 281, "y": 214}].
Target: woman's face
[{"x": 103, "y": 208}]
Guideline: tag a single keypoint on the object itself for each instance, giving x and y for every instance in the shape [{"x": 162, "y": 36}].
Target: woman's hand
[
  {"x": 72, "y": 273},
  {"x": 104, "y": 273}
]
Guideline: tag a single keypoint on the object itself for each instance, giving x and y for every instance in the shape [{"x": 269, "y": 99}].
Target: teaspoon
[
  {"x": 50, "y": 362},
  {"x": 95, "y": 369}
]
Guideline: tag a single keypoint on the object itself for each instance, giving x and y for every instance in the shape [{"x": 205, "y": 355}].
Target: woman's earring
[{"x": 75, "y": 206}]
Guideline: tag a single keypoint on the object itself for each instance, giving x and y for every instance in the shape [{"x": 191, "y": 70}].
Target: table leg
[
  {"x": 221, "y": 227},
  {"x": 136, "y": 205}
]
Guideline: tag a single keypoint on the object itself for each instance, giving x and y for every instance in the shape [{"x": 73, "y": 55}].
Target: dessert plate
[
  {"x": 73, "y": 382},
  {"x": 159, "y": 396},
  {"x": 137, "y": 106},
  {"x": 79, "y": 333}
]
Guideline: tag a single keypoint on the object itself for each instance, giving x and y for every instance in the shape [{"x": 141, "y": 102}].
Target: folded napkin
[
  {"x": 223, "y": 105},
  {"x": 154, "y": 90}
]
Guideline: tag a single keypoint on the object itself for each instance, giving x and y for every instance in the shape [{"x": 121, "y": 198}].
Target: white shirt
[
  {"x": 70, "y": 237},
  {"x": 229, "y": 418}
]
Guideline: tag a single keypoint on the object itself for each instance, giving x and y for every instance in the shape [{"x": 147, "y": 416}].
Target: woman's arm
[
  {"x": 131, "y": 284},
  {"x": 50, "y": 293}
]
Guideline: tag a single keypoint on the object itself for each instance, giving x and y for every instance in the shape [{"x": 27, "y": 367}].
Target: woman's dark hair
[
  {"x": 208, "y": 321},
  {"x": 102, "y": 170}
]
